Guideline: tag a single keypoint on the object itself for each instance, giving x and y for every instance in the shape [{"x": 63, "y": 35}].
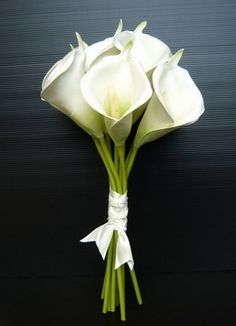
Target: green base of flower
[{"x": 113, "y": 290}]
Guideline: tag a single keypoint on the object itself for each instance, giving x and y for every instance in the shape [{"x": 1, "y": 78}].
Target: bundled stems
[
  {"x": 118, "y": 168},
  {"x": 103, "y": 157}
]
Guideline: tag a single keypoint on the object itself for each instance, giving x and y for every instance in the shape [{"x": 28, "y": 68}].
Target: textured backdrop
[{"x": 53, "y": 186}]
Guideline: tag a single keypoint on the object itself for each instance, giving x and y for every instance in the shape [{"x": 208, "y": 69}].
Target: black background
[{"x": 53, "y": 186}]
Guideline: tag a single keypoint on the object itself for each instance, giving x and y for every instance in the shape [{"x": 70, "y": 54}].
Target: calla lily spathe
[
  {"x": 176, "y": 102},
  {"x": 116, "y": 87},
  {"x": 147, "y": 50},
  {"x": 98, "y": 50},
  {"x": 61, "y": 88}
]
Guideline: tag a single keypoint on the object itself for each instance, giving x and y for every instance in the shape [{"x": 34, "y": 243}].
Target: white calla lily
[
  {"x": 116, "y": 87},
  {"x": 147, "y": 50},
  {"x": 176, "y": 102},
  {"x": 61, "y": 88},
  {"x": 103, "y": 48}
]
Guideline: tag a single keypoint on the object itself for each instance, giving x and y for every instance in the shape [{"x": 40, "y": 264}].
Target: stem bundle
[{"x": 118, "y": 168}]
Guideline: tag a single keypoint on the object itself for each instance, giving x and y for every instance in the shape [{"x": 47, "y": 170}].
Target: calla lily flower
[
  {"x": 176, "y": 102},
  {"x": 147, "y": 50},
  {"x": 98, "y": 50},
  {"x": 116, "y": 87},
  {"x": 61, "y": 88}
]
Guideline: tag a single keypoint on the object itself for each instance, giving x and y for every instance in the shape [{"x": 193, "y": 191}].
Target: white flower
[
  {"x": 147, "y": 50},
  {"x": 115, "y": 87},
  {"x": 61, "y": 88},
  {"x": 176, "y": 102}
]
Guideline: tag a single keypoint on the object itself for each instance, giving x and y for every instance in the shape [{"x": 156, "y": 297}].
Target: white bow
[{"x": 117, "y": 221}]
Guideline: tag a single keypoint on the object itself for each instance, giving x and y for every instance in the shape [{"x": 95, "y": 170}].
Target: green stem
[
  {"x": 127, "y": 157},
  {"x": 116, "y": 159},
  {"x": 123, "y": 176},
  {"x": 111, "y": 164},
  {"x": 104, "y": 159},
  {"x": 113, "y": 274},
  {"x": 108, "y": 142},
  {"x": 136, "y": 286},
  {"x": 123, "y": 278},
  {"x": 121, "y": 294},
  {"x": 107, "y": 279},
  {"x": 130, "y": 160}
]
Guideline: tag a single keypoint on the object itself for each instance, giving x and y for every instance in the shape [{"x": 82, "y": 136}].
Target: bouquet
[{"x": 106, "y": 88}]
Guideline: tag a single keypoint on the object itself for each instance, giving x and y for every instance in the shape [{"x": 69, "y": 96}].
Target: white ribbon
[{"x": 117, "y": 220}]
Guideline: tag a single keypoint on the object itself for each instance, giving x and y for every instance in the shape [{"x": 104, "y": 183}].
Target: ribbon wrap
[{"x": 117, "y": 221}]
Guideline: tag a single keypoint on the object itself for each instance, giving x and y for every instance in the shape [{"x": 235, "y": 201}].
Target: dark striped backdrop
[{"x": 53, "y": 187}]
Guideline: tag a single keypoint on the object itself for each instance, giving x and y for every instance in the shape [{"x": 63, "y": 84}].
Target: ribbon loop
[{"x": 117, "y": 221}]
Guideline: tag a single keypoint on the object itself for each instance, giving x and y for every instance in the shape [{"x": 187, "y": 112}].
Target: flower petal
[
  {"x": 154, "y": 124},
  {"x": 119, "y": 131},
  {"x": 57, "y": 69},
  {"x": 147, "y": 50},
  {"x": 99, "y": 49},
  {"x": 64, "y": 93},
  {"x": 177, "y": 92}
]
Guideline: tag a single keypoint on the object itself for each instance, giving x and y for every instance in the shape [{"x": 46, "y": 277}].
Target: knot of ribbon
[{"x": 117, "y": 221}]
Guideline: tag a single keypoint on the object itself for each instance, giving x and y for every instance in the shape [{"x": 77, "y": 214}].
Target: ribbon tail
[
  {"x": 92, "y": 236},
  {"x": 102, "y": 236},
  {"x": 123, "y": 251}
]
